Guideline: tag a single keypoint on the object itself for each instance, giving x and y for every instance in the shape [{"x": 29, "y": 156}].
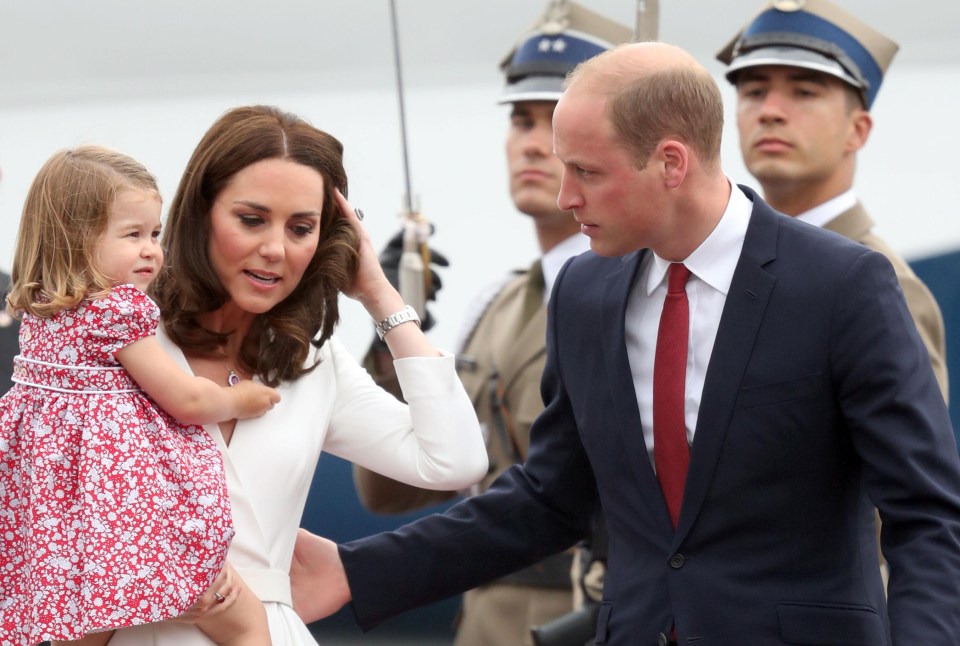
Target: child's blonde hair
[{"x": 65, "y": 213}]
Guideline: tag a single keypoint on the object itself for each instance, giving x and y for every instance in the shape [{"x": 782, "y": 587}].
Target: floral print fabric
[{"x": 111, "y": 512}]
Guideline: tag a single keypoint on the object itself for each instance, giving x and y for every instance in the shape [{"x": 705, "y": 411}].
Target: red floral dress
[{"x": 112, "y": 513}]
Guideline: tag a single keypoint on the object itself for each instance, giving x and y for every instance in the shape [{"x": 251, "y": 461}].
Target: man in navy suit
[{"x": 807, "y": 398}]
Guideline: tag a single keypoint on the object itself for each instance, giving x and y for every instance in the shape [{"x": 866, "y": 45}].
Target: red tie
[{"x": 671, "y": 454}]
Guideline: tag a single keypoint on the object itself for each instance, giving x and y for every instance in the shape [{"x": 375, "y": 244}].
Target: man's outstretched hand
[{"x": 317, "y": 578}]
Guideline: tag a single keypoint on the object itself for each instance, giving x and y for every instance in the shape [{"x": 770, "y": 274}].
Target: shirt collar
[
  {"x": 823, "y": 213},
  {"x": 552, "y": 261},
  {"x": 715, "y": 260}
]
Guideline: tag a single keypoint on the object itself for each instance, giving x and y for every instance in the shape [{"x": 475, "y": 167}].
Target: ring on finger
[
  {"x": 359, "y": 213},
  {"x": 220, "y": 598}
]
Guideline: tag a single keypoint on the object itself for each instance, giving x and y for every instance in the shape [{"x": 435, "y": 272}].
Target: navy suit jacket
[{"x": 819, "y": 403}]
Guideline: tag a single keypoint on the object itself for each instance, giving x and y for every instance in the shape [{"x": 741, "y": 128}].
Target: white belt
[{"x": 268, "y": 585}]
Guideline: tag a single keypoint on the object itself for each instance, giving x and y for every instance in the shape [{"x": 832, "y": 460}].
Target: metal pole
[
  {"x": 408, "y": 196},
  {"x": 648, "y": 19},
  {"x": 413, "y": 276}
]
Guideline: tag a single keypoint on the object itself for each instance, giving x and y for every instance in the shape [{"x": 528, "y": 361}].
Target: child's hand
[{"x": 253, "y": 399}]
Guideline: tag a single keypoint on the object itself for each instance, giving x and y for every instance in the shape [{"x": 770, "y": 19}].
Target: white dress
[{"x": 271, "y": 460}]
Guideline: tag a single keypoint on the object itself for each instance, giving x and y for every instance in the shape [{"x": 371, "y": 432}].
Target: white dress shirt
[
  {"x": 552, "y": 261},
  {"x": 823, "y": 213},
  {"x": 712, "y": 265}
]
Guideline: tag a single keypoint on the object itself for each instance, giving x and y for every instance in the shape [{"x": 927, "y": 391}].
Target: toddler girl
[{"x": 113, "y": 504}]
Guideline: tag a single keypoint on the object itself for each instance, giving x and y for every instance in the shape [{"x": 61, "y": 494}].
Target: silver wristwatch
[{"x": 405, "y": 315}]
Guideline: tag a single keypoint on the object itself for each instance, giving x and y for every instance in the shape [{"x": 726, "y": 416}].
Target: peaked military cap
[
  {"x": 816, "y": 35},
  {"x": 563, "y": 37}
]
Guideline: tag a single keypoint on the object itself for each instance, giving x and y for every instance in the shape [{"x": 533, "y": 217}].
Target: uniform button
[
  {"x": 662, "y": 640},
  {"x": 677, "y": 561}
]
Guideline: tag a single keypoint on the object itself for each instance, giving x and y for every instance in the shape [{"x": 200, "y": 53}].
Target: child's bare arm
[
  {"x": 253, "y": 398},
  {"x": 192, "y": 400}
]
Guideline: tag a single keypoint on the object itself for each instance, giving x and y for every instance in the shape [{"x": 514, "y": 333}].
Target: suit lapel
[
  {"x": 740, "y": 322},
  {"x": 616, "y": 292}
]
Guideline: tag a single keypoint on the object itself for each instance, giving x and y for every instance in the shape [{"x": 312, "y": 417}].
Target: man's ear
[
  {"x": 675, "y": 159},
  {"x": 861, "y": 123}
]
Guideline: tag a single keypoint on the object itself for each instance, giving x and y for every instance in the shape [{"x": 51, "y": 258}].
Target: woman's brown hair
[{"x": 278, "y": 343}]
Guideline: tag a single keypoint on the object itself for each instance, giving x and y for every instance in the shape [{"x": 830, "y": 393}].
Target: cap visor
[
  {"x": 533, "y": 88},
  {"x": 790, "y": 57}
]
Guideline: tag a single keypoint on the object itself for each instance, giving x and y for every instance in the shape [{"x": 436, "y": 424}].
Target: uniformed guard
[{"x": 503, "y": 346}]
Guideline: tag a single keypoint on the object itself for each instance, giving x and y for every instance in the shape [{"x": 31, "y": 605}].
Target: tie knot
[
  {"x": 677, "y": 276},
  {"x": 535, "y": 274}
]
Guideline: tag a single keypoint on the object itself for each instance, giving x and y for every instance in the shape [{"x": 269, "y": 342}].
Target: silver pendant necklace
[{"x": 232, "y": 377}]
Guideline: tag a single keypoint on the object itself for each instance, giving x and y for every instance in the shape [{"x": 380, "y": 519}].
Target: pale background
[{"x": 150, "y": 77}]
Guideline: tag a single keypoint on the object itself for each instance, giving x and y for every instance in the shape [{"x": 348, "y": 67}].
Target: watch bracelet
[{"x": 406, "y": 315}]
